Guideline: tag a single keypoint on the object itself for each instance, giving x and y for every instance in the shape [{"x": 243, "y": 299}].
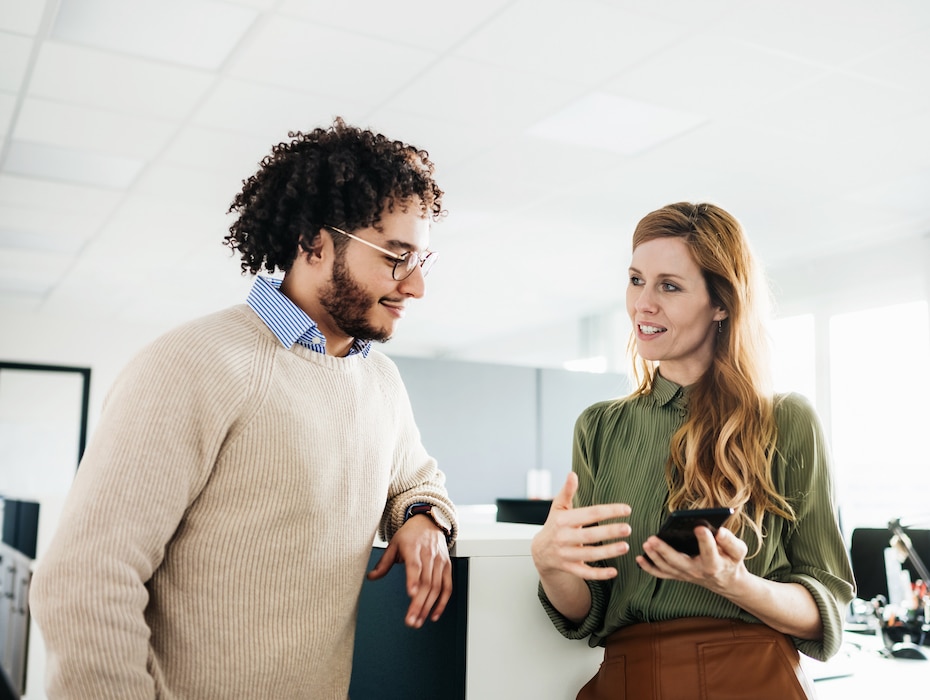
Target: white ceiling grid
[{"x": 128, "y": 125}]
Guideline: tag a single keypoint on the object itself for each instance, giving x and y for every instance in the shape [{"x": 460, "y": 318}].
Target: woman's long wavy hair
[{"x": 722, "y": 454}]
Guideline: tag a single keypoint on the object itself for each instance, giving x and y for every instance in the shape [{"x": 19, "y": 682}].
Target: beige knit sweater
[{"x": 215, "y": 539}]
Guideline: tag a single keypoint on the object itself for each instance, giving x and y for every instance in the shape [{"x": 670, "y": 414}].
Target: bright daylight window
[
  {"x": 793, "y": 355},
  {"x": 880, "y": 406}
]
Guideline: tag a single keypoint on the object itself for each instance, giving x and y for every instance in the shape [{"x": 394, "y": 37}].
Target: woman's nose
[{"x": 644, "y": 300}]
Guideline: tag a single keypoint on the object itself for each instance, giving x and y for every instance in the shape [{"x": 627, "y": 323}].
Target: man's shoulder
[
  {"x": 234, "y": 323},
  {"x": 382, "y": 366},
  {"x": 214, "y": 339}
]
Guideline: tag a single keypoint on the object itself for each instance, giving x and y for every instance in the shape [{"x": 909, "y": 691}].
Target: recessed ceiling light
[
  {"x": 613, "y": 123},
  {"x": 198, "y": 33}
]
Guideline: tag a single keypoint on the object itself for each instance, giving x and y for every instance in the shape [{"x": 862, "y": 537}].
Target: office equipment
[
  {"x": 867, "y": 554},
  {"x": 531, "y": 511},
  {"x": 21, "y": 525}
]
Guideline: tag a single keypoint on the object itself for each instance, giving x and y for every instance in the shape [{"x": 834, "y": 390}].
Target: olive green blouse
[{"x": 620, "y": 451}]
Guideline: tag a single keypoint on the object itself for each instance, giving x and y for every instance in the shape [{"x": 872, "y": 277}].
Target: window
[
  {"x": 793, "y": 355},
  {"x": 880, "y": 408}
]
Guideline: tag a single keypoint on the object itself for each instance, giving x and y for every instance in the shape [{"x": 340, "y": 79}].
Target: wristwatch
[{"x": 442, "y": 522}]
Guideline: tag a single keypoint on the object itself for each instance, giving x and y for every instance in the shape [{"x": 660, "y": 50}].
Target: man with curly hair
[{"x": 215, "y": 540}]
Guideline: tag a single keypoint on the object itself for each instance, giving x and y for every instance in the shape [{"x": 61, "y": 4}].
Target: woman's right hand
[{"x": 571, "y": 538}]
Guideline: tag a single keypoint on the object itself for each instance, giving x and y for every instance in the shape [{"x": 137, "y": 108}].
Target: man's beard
[{"x": 348, "y": 304}]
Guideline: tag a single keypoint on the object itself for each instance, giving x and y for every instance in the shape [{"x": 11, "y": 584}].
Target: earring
[{"x": 720, "y": 326}]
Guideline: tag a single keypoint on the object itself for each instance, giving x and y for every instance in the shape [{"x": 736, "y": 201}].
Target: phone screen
[{"x": 678, "y": 528}]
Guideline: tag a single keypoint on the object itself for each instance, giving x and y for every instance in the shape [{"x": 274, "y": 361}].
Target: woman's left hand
[
  {"x": 720, "y": 564},
  {"x": 721, "y": 567}
]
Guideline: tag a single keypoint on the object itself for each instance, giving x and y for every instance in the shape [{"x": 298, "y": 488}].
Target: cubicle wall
[{"x": 488, "y": 425}]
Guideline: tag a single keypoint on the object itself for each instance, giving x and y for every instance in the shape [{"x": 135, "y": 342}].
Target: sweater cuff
[
  {"x": 589, "y": 625},
  {"x": 831, "y": 615}
]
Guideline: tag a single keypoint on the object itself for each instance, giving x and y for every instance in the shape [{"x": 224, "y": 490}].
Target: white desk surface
[
  {"x": 860, "y": 671},
  {"x": 481, "y": 536}
]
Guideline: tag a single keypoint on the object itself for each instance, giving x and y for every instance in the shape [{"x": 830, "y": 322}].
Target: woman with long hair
[{"x": 702, "y": 429}]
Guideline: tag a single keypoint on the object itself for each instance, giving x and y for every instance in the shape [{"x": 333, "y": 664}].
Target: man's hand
[{"x": 422, "y": 547}]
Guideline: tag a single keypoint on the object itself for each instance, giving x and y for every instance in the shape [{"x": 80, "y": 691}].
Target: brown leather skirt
[{"x": 699, "y": 658}]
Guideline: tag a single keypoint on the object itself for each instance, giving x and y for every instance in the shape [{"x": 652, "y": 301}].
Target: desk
[
  {"x": 865, "y": 673},
  {"x": 494, "y": 640}
]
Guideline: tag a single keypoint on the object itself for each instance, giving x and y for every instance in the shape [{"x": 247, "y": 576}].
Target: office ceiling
[{"x": 128, "y": 125}]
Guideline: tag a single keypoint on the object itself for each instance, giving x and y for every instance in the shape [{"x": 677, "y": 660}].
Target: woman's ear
[{"x": 720, "y": 314}]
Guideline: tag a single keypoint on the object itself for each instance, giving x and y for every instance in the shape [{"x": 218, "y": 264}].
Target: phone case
[{"x": 678, "y": 528}]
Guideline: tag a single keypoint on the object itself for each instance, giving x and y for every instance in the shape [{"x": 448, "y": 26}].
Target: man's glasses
[{"x": 405, "y": 264}]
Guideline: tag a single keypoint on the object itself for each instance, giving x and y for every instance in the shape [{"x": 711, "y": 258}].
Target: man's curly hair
[{"x": 340, "y": 176}]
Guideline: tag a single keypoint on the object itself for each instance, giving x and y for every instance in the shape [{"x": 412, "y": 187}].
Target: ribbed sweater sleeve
[
  {"x": 161, "y": 428},
  {"x": 216, "y": 536}
]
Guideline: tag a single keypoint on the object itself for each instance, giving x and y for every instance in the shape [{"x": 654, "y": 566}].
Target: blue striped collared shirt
[{"x": 288, "y": 322}]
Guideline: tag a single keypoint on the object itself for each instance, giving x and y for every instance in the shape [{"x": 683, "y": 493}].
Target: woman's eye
[
  {"x": 635, "y": 281},
  {"x": 669, "y": 287}
]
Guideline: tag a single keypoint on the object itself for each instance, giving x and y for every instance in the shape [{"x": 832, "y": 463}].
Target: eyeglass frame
[{"x": 398, "y": 259}]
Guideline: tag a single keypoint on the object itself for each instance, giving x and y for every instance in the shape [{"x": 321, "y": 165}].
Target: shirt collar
[
  {"x": 666, "y": 392},
  {"x": 289, "y": 322}
]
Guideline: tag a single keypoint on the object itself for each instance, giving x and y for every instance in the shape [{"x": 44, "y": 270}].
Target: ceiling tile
[
  {"x": 122, "y": 84},
  {"x": 23, "y": 299},
  {"x": 14, "y": 60},
  {"x": 603, "y": 40},
  {"x": 837, "y": 108},
  {"x": 40, "y": 267},
  {"x": 904, "y": 63},
  {"x": 211, "y": 189},
  {"x": 197, "y": 33},
  {"x": 484, "y": 96},
  {"x": 311, "y": 58},
  {"x": 407, "y": 22},
  {"x": 446, "y": 146},
  {"x": 713, "y": 75},
  {"x": 907, "y": 194},
  {"x": 815, "y": 139},
  {"x": 271, "y": 112},
  {"x": 7, "y": 107},
  {"x": 67, "y": 165},
  {"x": 60, "y": 226},
  {"x": 81, "y": 128},
  {"x": 828, "y": 32},
  {"x": 212, "y": 149},
  {"x": 46, "y": 195},
  {"x": 611, "y": 123},
  {"x": 45, "y": 242},
  {"x": 143, "y": 222},
  {"x": 21, "y": 16}
]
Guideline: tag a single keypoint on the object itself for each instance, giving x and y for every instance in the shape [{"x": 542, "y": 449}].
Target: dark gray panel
[{"x": 392, "y": 661}]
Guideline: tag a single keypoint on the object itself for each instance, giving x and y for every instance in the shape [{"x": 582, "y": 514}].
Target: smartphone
[{"x": 678, "y": 528}]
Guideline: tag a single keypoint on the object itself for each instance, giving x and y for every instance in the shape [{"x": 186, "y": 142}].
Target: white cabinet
[{"x": 493, "y": 641}]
